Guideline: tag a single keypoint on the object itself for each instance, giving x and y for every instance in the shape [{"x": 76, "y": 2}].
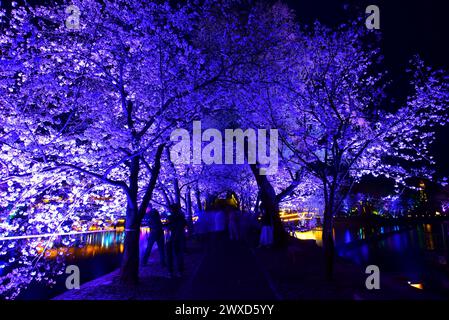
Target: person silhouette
[
  {"x": 156, "y": 235},
  {"x": 175, "y": 240}
]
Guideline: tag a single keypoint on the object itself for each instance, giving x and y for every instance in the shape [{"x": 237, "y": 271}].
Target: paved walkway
[
  {"x": 228, "y": 271},
  {"x": 154, "y": 281}
]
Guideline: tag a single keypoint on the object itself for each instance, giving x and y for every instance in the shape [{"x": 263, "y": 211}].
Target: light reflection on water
[
  {"x": 91, "y": 244},
  {"x": 85, "y": 246},
  {"x": 422, "y": 236},
  {"x": 418, "y": 253},
  {"x": 96, "y": 254}
]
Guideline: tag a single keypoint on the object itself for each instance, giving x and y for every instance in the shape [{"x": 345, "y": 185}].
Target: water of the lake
[
  {"x": 95, "y": 254},
  {"x": 417, "y": 254}
]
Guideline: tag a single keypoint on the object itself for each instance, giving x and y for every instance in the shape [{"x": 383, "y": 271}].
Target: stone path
[{"x": 228, "y": 271}]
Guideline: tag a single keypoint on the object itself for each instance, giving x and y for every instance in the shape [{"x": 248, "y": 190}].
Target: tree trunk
[
  {"x": 242, "y": 202},
  {"x": 270, "y": 206},
  {"x": 167, "y": 200},
  {"x": 129, "y": 272},
  {"x": 198, "y": 200},
  {"x": 177, "y": 192},
  {"x": 256, "y": 208},
  {"x": 189, "y": 210}
]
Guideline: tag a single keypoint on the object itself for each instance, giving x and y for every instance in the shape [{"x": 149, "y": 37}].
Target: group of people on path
[
  {"x": 170, "y": 239},
  {"x": 219, "y": 220}
]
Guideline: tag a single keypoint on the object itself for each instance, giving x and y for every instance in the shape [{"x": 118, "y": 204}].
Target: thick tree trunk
[
  {"x": 198, "y": 200},
  {"x": 129, "y": 272},
  {"x": 177, "y": 192},
  {"x": 270, "y": 206}
]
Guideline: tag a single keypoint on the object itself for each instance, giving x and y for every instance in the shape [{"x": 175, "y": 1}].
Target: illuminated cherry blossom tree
[
  {"x": 97, "y": 100},
  {"x": 328, "y": 111},
  {"x": 101, "y": 100}
]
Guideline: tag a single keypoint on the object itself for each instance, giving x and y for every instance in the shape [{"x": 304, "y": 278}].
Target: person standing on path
[
  {"x": 156, "y": 235},
  {"x": 175, "y": 241}
]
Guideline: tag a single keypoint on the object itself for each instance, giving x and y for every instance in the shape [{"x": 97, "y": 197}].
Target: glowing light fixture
[{"x": 419, "y": 286}]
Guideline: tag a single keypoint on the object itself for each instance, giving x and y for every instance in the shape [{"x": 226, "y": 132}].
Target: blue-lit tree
[
  {"x": 328, "y": 110},
  {"x": 96, "y": 98},
  {"x": 99, "y": 100}
]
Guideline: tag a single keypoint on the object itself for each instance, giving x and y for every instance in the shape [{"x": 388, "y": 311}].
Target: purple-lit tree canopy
[
  {"x": 99, "y": 102},
  {"x": 90, "y": 111},
  {"x": 327, "y": 109}
]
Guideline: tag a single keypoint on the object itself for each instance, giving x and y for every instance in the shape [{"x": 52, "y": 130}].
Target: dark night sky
[{"x": 408, "y": 27}]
